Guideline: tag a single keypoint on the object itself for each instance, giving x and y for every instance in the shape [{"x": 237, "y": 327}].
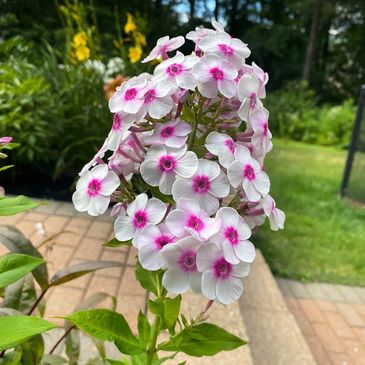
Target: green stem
[{"x": 152, "y": 348}]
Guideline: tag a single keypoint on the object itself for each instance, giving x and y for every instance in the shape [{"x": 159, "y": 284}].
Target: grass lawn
[{"x": 324, "y": 236}]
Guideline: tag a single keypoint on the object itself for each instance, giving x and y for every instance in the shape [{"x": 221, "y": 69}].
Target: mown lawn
[{"x": 324, "y": 236}]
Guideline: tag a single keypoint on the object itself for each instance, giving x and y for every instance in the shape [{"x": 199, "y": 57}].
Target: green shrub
[{"x": 294, "y": 114}]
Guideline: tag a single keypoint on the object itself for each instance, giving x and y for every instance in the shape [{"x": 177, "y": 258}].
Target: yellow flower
[
  {"x": 82, "y": 53},
  {"x": 130, "y": 26},
  {"x": 135, "y": 53},
  {"x": 140, "y": 39},
  {"x": 79, "y": 39}
]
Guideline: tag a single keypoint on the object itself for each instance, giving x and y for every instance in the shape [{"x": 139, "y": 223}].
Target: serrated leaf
[
  {"x": 107, "y": 325},
  {"x": 149, "y": 280},
  {"x": 203, "y": 339},
  {"x": 75, "y": 271},
  {"x": 11, "y": 206},
  {"x": 15, "y": 242},
  {"x": 15, "y": 266},
  {"x": 15, "y": 330}
]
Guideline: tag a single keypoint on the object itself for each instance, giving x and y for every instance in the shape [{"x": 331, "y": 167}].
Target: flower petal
[
  {"x": 124, "y": 229},
  {"x": 175, "y": 280},
  {"x": 229, "y": 290}
]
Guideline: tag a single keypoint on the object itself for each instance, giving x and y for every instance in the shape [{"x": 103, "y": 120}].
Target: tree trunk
[
  {"x": 312, "y": 40},
  {"x": 192, "y": 11}
]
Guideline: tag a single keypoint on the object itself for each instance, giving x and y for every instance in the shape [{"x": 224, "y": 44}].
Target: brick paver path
[{"x": 332, "y": 319}]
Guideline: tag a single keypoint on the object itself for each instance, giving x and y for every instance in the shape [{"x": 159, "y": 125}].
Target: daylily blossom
[
  {"x": 215, "y": 75},
  {"x": 275, "y": 215},
  {"x": 179, "y": 261},
  {"x": 171, "y": 134},
  {"x": 93, "y": 190},
  {"x": 226, "y": 47},
  {"x": 249, "y": 93},
  {"x": 246, "y": 171},
  {"x": 141, "y": 212},
  {"x": 164, "y": 45},
  {"x": 189, "y": 219},
  {"x": 221, "y": 145},
  {"x": 163, "y": 164},
  {"x": 206, "y": 186},
  {"x": 261, "y": 139},
  {"x": 220, "y": 279},
  {"x": 178, "y": 69},
  {"x": 151, "y": 241},
  {"x": 233, "y": 236}
]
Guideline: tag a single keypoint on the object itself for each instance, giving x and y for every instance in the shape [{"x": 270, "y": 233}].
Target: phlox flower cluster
[{"x": 183, "y": 164}]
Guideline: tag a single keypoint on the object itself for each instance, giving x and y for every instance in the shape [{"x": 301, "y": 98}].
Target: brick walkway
[{"x": 332, "y": 319}]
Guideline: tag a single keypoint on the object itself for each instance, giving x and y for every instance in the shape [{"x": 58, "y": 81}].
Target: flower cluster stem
[{"x": 152, "y": 348}]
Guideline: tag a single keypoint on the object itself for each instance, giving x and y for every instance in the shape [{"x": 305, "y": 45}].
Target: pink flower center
[
  {"x": 195, "y": 223},
  {"x": 227, "y": 50},
  {"x": 201, "y": 184},
  {"x": 140, "y": 219},
  {"x": 217, "y": 73},
  {"x": 232, "y": 235},
  {"x": 150, "y": 96},
  {"x": 249, "y": 172},
  {"x": 117, "y": 122},
  {"x": 230, "y": 144},
  {"x": 162, "y": 241},
  {"x": 130, "y": 94},
  {"x": 187, "y": 261},
  {"x": 252, "y": 100},
  {"x": 167, "y": 163},
  {"x": 167, "y": 132},
  {"x": 174, "y": 69},
  {"x": 222, "y": 268},
  {"x": 265, "y": 129},
  {"x": 94, "y": 187}
]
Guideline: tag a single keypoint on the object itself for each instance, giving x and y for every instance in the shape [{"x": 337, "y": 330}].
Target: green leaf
[
  {"x": 168, "y": 309},
  {"x": 149, "y": 280},
  {"x": 21, "y": 295},
  {"x": 144, "y": 328},
  {"x": 15, "y": 242},
  {"x": 15, "y": 330},
  {"x": 12, "y": 357},
  {"x": 53, "y": 360},
  {"x": 3, "y": 168},
  {"x": 75, "y": 271},
  {"x": 117, "y": 362},
  {"x": 115, "y": 243},
  {"x": 107, "y": 325},
  {"x": 155, "y": 191},
  {"x": 33, "y": 350},
  {"x": 6, "y": 311},
  {"x": 203, "y": 339},
  {"x": 15, "y": 266},
  {"x": 11, "y": 206}
]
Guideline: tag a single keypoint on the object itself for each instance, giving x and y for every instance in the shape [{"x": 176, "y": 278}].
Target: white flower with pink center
[
  {"x": 140, "y": 213},
  {"x": 121, "y": 123},
  {"x": 275, "y": 215},
  {"x": 157, "y": 99},
  {"x": 179, "y": 261},
  {"x": 215, "y": 75},
  {"x": 198, "y": 34},
  {"x": 246, "y": 171},
  {"x": 189, "y": 219},
  {"x": 171, "y": 134},
  {"x": 233, "y": 236},
  {"x": 178, "y": 70},
  {"x": 221, "y": 279},
  {"x": 226, "y": 47},
  {"x": 150, "y": 242},
  {"x": 164, "y": 164},
  {"x": 128, "y": 97},
  {"x": 206, "y": 186},
  {"x": 261, "y": 139},
  {"x": 249, "y": 93},
  {"x": 93, "y": 190},
  {"x": 221, "y": 145},
  {"x": 164, "y": 45}
]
